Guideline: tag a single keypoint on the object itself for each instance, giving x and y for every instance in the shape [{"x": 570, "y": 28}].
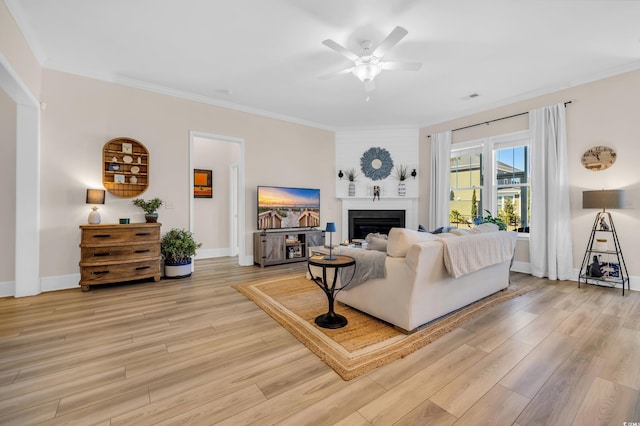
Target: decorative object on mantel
[
  {"x": 401, "y": 172},
  {"x": 376, "y": 192},
  {"x": 598, "y": 158},
  {"x": 150, "y": 208},
  {"x": 352, "y": 175},
  {"x": 376, "y": 163},
  {"x": 414, "y": 173},
  {"x": 340, "y": 174},
  {"x": 95, "y": 197}
]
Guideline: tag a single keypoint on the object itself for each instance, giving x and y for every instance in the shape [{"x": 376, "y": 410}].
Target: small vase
[
  {"x": 352, "y": 189},
  {"x": 402, "y": 189}
]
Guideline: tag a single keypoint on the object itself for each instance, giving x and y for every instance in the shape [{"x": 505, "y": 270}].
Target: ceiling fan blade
[
  {"x": 369, "y": 86},
  {"x": 336, "y": 73},
  {"x": 392, "y": 39},
  {"x": 401, "y": 66},
  {"x": 340, "y": 49}
]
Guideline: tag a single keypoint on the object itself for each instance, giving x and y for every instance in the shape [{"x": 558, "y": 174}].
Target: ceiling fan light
[{"x": 367, "y": 71}]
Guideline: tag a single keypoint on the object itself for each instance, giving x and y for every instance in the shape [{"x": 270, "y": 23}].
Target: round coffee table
[{"x": 330, "y": 319}]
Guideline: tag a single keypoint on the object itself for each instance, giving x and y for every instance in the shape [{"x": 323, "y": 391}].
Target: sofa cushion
[
  {"x": 376, "y": 241},
  {"x": 487, "y": 227},
  {"x": 401, "y": 239}
]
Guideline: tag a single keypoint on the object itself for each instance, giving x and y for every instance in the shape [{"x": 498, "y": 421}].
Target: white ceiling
[{"x": 266, "y": 56}]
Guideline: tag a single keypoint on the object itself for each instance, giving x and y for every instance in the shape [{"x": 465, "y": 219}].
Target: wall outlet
[{"x": 169, "y": 205}]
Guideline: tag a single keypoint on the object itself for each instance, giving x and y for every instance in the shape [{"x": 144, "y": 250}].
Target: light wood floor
[{"x": 195, "y": 351}]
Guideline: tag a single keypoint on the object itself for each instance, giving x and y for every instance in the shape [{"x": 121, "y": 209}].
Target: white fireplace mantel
[{"x": 408, "y": 204}]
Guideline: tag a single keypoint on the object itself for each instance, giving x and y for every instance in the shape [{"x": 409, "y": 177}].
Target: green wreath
[{"x": 376, "y": 163}]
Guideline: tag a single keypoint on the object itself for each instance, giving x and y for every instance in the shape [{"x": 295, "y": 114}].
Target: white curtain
[
  {"x": 550, "y": 231},
  {"x": 440, "y": 180}
]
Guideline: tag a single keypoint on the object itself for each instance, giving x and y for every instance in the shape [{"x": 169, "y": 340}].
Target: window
[
  {"x": 512, "y": 171},
  {"x": 465, "y": 199},
  {"x": 506, "y": 195}
]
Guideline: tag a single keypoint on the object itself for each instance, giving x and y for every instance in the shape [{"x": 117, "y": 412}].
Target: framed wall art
[{"x": 202, "y": 183}]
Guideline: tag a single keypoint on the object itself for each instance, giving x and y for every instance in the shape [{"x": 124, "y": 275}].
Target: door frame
[{"x": 243, "y": 259}]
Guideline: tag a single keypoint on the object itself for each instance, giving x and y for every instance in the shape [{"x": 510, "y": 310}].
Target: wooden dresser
[{"x": 116, "y": 253}]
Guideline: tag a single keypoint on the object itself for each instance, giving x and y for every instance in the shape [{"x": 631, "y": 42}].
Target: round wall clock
[
  {"x": 376, "y": 163},
  {"x": 598, "y": 158}
]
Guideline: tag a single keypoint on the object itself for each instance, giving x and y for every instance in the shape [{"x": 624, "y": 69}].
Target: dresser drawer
[
  {"x": 102, "y": 274},
  {"x": 110, "y": 254},
  {"x": 119, "y": 234}
]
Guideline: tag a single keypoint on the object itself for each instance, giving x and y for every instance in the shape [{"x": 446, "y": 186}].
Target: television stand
[{"x": 287, "y": 246}]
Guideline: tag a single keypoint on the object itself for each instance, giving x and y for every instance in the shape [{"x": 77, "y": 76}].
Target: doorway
[{"x": 219, "y": 221}]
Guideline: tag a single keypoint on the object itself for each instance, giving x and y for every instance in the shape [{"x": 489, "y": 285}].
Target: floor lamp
[{"x": 603, "y": 199}]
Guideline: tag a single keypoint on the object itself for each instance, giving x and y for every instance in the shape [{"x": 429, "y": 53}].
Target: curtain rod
[{"x": 495, "y": 119}]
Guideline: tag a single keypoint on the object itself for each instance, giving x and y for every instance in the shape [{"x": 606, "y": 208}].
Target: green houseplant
[
  {"x": 149, "y": 207},
  {"x": 490, "y": 219},
  {"x": 178, "y": 248}
]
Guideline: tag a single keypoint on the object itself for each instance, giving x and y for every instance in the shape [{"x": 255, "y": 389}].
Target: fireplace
[{"x": 363, "y": 222}]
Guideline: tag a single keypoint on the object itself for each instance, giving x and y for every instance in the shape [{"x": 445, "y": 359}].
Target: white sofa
[{"x": 418, "y": 288}]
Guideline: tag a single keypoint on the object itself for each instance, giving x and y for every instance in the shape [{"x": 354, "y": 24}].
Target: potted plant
[
  {"x": 401, "y": 172},
  {"x": 150, "y": 208},
  {"x": 351, "y": 176},
  {"x": 178, "y": 248},
  {"x": 490, "y": 219}
]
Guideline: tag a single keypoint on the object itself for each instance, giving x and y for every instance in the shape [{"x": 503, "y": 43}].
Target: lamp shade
[
  {"x": 603, "y": 199},
  {"x": 331, "y": 227},
  {"x": 95, "y": 196}
]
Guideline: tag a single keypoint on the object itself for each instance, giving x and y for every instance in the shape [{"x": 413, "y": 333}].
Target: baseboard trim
[
  {"x": 60, "y": 282},
  {"x": 7, "y": 289}
]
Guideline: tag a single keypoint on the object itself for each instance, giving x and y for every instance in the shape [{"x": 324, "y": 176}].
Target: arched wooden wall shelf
[{"x": 125, "y": 167}]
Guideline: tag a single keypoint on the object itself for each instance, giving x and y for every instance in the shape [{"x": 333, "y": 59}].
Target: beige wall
[
  {"x": 7, "y": 186},
  {"x": 15, "y": 49},
  {"x": 82, "y": 114},
  {"x": 601, "y": 113}
]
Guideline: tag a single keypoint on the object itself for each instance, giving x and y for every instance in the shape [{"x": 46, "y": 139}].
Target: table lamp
[
  {"x": 95, "y": 197},
  {"x": 331, "y": 228},
  {"x": 603, "y": 199}
]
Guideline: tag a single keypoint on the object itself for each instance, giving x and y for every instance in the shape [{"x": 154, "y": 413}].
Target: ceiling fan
[{"x": 367, "y": 66}]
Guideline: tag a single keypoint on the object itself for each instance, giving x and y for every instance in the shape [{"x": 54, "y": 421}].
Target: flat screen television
[{"x": 284, "y": 208}]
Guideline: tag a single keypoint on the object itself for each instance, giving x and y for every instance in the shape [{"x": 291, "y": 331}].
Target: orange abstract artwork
[{"x": 202, "y": 183}]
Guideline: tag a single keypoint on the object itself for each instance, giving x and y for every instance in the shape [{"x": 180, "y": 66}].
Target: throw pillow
[
  {"x": 376, "y": 241},
  {"x": 487, "y": 227},
  {"x": 444, "y": 229},
  {"x": 422, "y": 229},
  {"x": 401, "y": 239}
]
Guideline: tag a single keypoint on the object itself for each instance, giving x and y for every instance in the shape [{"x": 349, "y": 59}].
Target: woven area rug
[{"x": 365, "y": 342}]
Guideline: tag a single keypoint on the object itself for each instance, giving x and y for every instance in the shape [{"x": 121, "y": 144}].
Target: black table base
[{"x": 331, "y": 320}]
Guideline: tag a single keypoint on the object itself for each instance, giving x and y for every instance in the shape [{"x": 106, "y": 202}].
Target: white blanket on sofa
[{"x": 463, "y": 255}]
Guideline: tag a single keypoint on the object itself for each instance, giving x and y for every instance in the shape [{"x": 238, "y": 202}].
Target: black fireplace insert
[{"x": 364, "y": 222}]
